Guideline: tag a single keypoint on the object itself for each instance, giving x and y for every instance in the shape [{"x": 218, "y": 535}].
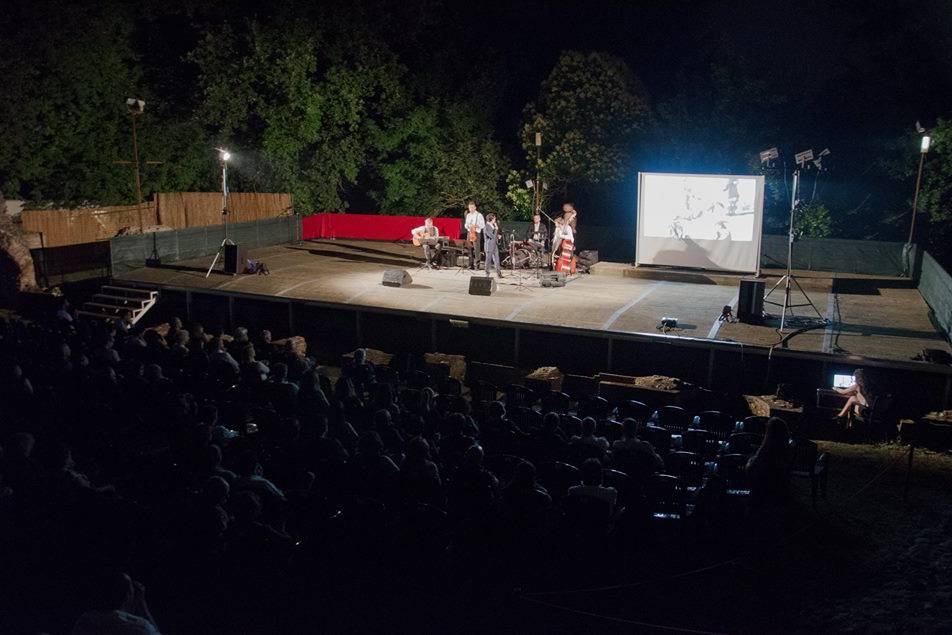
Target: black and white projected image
[{"x": 699, "y": 207}]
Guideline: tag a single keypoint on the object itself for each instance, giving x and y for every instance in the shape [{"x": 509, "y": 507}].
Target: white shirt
[
  {"x": 567, "y": 233},
  {"x": 474, "y": 218}
]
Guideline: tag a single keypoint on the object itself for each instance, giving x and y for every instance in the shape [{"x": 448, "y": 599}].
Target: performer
[
  {"x": 566, "y": 261},
  {"x": 569, "y": 213},
  {"x": 473, "y": 225},
  {"x": 427, "y": 230},
  {"x": 491, "y": 235},
  {"x": 556, "y": 239},
  {"x": 538, "y": 232}
]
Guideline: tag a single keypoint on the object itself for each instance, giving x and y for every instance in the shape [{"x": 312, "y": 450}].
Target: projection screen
[{"x": 703, "y": 221}]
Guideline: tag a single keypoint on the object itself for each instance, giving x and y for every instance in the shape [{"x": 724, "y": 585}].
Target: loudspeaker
[
  {"x": 588, "y": 257},
  {"x": 482, "y": 285},
  {"x": 552, "y": 279},
  {"x": 396, "y": 278},
  {"x": 750, "y": 301},
  {"x": 234, "y": 258}
]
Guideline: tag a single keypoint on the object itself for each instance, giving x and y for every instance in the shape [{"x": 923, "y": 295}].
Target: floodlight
[
  {"x": 769, "y": 155},
  {"x": 926, "y": 141},
  {"x": 802, "y": 157},
  {"x": 530, "y": 183},
  {"x": 135, "y": 106},
  {"x": 223, "y": 154},
  {"x": 919, "y": 128}
]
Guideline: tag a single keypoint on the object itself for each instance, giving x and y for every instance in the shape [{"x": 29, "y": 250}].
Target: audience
[{"x": 122, "y": 429}]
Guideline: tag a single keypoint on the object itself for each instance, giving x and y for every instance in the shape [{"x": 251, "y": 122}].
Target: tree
[
  {"x": 935, "y": 194},
  {"x": 589, "y": 110},
  {"x": 813, "y": 220},
  {"x": 310, "y": 108}
]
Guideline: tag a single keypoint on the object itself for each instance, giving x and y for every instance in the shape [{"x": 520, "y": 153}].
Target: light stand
[
  {"x": 789, "y": 280},
  {"x": 907, "y": 248},
  {"x": 223, "y": 156}
]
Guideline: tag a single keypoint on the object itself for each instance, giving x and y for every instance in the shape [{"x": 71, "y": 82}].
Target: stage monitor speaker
[
  {"x": 234, "y": 258},
  {"x": 750, "y": 301},
  {"x": 396, "y": 278},
  {"x": 482, "y": 285},
  {"x": 552, "y": 279}
]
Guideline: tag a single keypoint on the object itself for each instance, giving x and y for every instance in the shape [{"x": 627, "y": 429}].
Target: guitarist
[
  {"x": 427, "y": 230},
  {"x": 473, "y": 225}
]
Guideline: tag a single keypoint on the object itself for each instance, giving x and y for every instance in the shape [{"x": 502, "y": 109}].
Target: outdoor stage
[{"x": 873, "y": 317}]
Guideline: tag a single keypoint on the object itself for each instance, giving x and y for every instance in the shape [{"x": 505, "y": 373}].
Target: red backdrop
[{"x": 373, "y": 226}]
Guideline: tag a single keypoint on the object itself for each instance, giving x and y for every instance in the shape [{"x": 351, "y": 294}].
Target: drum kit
[{"x": 523, "y": 254}]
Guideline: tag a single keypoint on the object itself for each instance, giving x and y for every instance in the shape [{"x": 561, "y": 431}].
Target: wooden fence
[
  {"x": 62, "y": 227},
  {"x": 176, "y": 210}
]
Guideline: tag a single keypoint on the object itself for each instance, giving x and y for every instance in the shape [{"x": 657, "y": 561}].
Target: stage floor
[{"x": 880, "y": 318}]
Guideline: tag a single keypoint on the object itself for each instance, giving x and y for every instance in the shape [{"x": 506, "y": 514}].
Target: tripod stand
[
  {"x": 224, "y": 212},
  {"x": 788, "y": 280}
]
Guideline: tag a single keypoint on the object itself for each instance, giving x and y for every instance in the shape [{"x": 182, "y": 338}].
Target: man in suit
[{"x": 491, "y": 244}]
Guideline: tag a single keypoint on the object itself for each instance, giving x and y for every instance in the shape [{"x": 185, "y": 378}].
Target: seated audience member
[
  {"x": 324, "y": 454},
  {"x": 860, "y": 396},
  {"x": 208, "y": 519},
  {"x": 498, "y": 432},
  {"x": 239, "y": 341},
  {"x": 549, "y": 444},
  {"x": 220, "y": 359},
  {"x": 119, "y": 607},
  {"x": 65, "y": 312},
  {"x": 375, "y": 472},
  {"x": 768, "y": 470},
  {"x": 454, "y": 443},
  {"x": 586, "y": 445},
  {"x": 250, "y": 478},
  {"x": 19, "y": 470},
  {"x": 473, "y": 488},
  {"x": 393, "y": 442},
  {"x": 592, "y": 485},
  {"x": 282, "y": 392},
  {"x": 213, "y": 466},
  {"x": 312, "y": 400},
  {"x": 252, "y": 371},
  {"x": 175, "y": 328},
  {"x": 419, "y": 476},
  {"x": 635, "y": 456},
  {"x": 360, "y": 371},
  {"x": 523, "y": 497},
  {"x": 249, "y": 539}
]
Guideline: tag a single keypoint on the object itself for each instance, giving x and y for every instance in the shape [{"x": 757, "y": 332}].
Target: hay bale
[
  {"x": 298, "y": 343},
  {"x": 549, "y": 376},
  {"x": 457, "y": 363},
  {"x": 375, "y": 357},
  {"x": 659, "y": 382}
]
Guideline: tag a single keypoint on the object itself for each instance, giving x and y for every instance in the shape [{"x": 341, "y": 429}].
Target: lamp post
[{"x": 923, "y": 149}]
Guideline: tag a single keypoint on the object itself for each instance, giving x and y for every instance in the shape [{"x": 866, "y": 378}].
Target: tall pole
[
  {"x": 224, "y": 195},
  {"x": 135, "y": 166},
  {"x": 915, "y": 198},
  {"x": 538, "y": 184}
]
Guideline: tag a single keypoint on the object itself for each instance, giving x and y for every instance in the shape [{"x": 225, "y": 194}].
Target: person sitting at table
[{"x": 860, "y": 396}]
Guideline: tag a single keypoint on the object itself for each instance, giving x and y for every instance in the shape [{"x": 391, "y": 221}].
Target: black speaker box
[
  {"x": 234, "y": 258},
  {"x": 396, "y": 278},
  {"x": 482, "y": 285},
  {"x": 750, "y": 301},
  {"x": 588, "y": 257}
]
